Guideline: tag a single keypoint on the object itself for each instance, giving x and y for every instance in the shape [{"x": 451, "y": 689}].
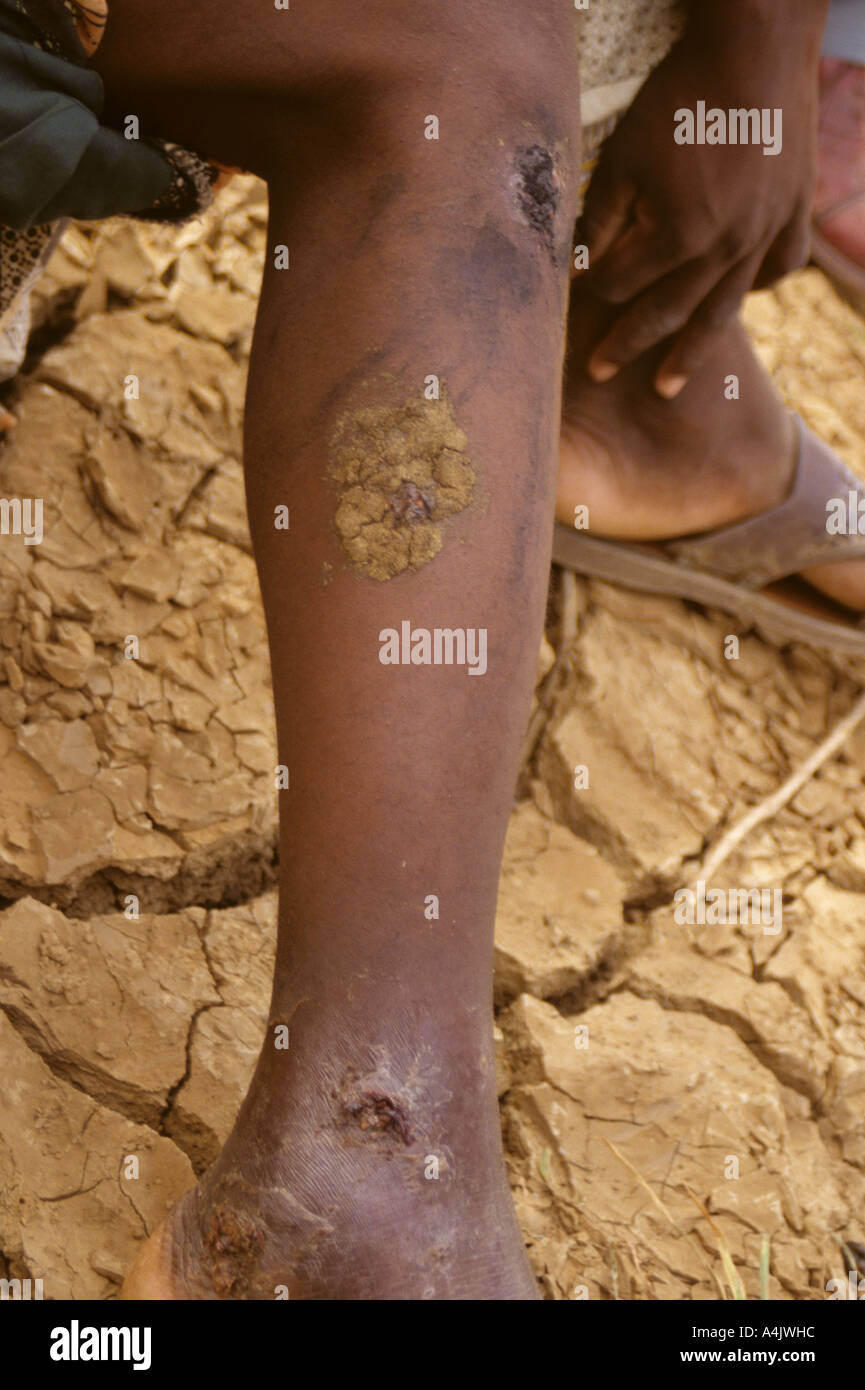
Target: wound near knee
[
  {"x": 403, "y": 471},
  {"x": 539, "y": 192}
]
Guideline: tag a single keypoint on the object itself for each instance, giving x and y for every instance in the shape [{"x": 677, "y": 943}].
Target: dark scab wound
[
  {"x": 413, "y": 503},
  {"x": 375, "y": 1112},
  {"x": 539, "y": 191},
  {"x": 234, "y": 1246}
]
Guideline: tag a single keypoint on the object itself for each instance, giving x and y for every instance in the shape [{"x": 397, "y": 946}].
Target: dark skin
[
  {"x": 650, "y": 442},
  {"x": 408, "y": 257},
  {"x": 677, "y": 234}
]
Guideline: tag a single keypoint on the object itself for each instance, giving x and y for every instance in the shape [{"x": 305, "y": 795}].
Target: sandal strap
[
  {"x": 794, "y": 535},
  {"x": 826, "y": 214}
]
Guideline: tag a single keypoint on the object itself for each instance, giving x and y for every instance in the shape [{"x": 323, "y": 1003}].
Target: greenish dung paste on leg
[{"x": 403, "y": 471}]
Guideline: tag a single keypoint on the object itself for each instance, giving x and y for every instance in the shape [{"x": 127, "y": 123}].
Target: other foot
[{"x": 652, "y": 470}]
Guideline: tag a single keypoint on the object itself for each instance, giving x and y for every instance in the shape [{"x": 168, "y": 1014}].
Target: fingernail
[
  {"x": 670, "y": 386},
  {"x": 602, "y": 371}
]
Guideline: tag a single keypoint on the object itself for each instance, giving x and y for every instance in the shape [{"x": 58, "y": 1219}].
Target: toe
[{"x": 148, "y": 1279}]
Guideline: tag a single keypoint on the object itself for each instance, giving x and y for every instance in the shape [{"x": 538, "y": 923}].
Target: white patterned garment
[
  {"x": 620, "y": 42},
  {"x": 23, "y": 257},
  {"x": 13, "y": 339}
]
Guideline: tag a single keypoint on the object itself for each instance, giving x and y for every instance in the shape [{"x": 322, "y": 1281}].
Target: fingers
[
  {"x": 693, "y": 344},
  {"x": 640, "y": 258},
  {"x": 607, "y": 212},
  {"x": 655, "y": 315}
]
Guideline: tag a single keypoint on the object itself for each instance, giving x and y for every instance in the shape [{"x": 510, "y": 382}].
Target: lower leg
[{"x": 366, "y": 1162}]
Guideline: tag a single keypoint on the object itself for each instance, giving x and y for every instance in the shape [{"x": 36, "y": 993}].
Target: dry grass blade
[
  {"x": 665, "y": 1212},
  {"x": 851, "y": 1262},
  {"x": 733, "y": 1279},
  {"x": 765, "y": 1248},
  {"x": 614, "y": 1272}
]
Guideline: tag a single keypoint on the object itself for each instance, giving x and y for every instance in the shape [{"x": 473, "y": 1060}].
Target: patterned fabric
[
  {"x": 23, "y": 257},
  {"x": 70, "y": 31},
  {"x": 66, "y": 27},
  {"x": 13, "y": 339},
  {"x": 620, "y": 43},
  {"x": 89, "y": 22},
  {"x": 623, "y": 40},
  {"x": 193, "y": 180}
]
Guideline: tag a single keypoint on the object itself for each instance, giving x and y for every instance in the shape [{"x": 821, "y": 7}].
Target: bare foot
[
  {"x": 650, "y": 469},
  {"x": 354, "y": 1192}
]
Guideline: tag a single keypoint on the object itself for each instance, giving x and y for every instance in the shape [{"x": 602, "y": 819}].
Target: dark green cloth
[{"x": 56, "y": 160}]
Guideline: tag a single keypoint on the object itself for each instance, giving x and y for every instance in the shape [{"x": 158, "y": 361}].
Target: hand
[{"x": 678, "y": 233}]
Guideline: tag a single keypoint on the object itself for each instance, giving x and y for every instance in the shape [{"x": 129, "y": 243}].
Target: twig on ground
[{"x": 777, "y": 799}]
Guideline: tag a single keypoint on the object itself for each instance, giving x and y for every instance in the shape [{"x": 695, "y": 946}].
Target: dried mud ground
[{"x": 722, "y": 1090}]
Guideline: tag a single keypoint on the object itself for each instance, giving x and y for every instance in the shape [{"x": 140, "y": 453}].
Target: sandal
[{"x": 728, "y": 568}]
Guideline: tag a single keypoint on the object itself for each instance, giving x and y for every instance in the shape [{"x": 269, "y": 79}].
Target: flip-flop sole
[{"x": 648, "y": 570}]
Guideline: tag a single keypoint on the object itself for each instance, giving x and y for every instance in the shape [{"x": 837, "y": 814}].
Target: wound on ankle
[
  {"x": 234, "y": 1245},
  {"x": 375, "y": 1113}
]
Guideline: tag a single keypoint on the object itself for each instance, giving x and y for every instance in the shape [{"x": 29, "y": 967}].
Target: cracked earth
[{"x": 661, "y": 1086}]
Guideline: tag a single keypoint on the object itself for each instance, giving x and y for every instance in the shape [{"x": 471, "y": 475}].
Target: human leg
[{"x": 366, "y": 1160}]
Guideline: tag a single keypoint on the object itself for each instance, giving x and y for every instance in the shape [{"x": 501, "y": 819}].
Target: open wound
[
  {"x": 402, "y": 471},
  {"x": 539, "y": 191}
]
